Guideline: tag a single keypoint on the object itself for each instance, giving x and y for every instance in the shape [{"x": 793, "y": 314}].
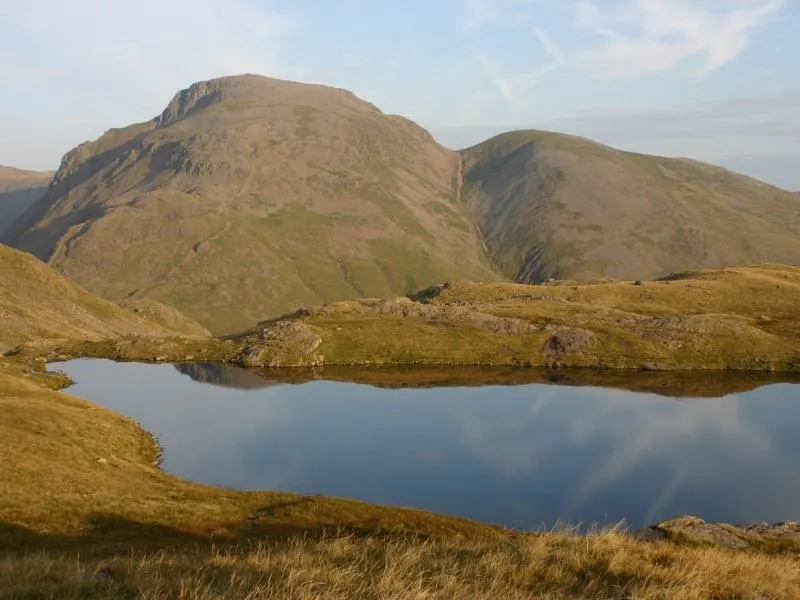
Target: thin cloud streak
[
  {"x": 550, "y": 46},
  {"x": 513, "y": 86},
  {"x": 496, "y": 77},
  {"x": 137, "y": 56},
  {"x": 668, "y": 32}
]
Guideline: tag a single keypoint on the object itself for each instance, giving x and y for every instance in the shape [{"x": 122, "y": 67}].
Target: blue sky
[{"x": 711, "y": 79}]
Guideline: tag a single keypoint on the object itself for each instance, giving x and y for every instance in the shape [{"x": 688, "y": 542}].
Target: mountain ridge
[
  {"x": 327, "y": 195},
  {"x": 248, "y": 197},
  {"x": 560, "y": 206}
]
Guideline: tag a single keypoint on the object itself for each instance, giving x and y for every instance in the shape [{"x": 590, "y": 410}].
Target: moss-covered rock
[{"x": 286, "y": 344}]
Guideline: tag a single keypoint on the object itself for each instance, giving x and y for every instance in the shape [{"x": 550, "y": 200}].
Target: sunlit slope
[
  {"x": 738, "y": 318},
  {"x": 38, "y": 304},
  {"x": 553, "y": 205},
  {"x": 251, "y": 196}
]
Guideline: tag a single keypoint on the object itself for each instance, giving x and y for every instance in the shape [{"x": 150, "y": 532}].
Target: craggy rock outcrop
[
  {"x": 762, "y": 536},
  {"x": 446, "y": 316},
  {"x": 452, "y": 315},
  {"x": 286, "y": 344},
  {"x": 568, "y": 340},
  {"x": 657, "y": 327}
]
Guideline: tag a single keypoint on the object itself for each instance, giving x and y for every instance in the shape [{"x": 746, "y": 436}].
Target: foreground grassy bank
[
  {"x": 86, "y": 513},
  {"x": 550, "y": 566},
  {"x": 69, "y": 467}
]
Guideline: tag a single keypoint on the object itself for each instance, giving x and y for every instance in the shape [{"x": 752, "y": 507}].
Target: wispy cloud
[
  {"x": 772, "y": 118},
  {"x": 499, "y": 79},
  {"x": 646, "y": 36},
  {"x": 513, "y": 82},
  {"x": 119, "y": 62},
  {"x": 513, "y": 85},
  {"x": 550, "y": 45},
  {"x": 150, "y": 42}
]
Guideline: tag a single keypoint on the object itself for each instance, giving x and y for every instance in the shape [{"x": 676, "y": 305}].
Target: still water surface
[{"x": 524, "y": 456}]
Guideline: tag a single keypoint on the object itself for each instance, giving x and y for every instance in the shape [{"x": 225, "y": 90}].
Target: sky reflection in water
[{"x": 524, "y": 456}]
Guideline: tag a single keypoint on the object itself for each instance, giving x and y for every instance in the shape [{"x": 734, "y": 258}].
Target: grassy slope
[
  {"x": 37, "y": 304},
  {"x": 545, "y": 567},
  {"x": 251, "y": 196},
  {"x": 84, "y": 513},
  {"x": 736, "y": 318},
  {"x": 112, "y": 487},
  {"x": 81, "y": 483},
  {"x": 558, "y": 205}
]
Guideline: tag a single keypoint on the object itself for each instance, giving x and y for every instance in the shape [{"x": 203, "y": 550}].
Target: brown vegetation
[
  {"x": 552, "y": 566},
  {"x": 85, "y": 513},
  {"x": 738, "y": 318},
  {"x": 38, "y": 306}
]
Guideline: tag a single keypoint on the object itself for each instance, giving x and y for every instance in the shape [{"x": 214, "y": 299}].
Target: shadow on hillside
[
  {"x": 107, "y": 534},
  {"x": 100, "y": 562},
  {"x": 14, "y": 203}
]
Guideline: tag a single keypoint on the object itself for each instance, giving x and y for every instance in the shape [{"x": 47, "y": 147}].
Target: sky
[{"x": 715, "y": 80}]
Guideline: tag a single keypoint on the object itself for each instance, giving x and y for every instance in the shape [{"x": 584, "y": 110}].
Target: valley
[{"x": 295, "y": 246}]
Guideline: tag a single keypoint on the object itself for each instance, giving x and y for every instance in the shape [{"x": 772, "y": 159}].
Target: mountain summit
[
  {"x": 554, "y": 205},
  {"x": 249, "y": 197}
]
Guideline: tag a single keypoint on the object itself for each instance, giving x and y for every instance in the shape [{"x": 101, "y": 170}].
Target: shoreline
[
  {"x": 680, "y": 528},
  {"x": 72, "y": 522}
]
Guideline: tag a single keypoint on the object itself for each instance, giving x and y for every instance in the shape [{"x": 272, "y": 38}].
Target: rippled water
[{"x": 526, "y": 455}]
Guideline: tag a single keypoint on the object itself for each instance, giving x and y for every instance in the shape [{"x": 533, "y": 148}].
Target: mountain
[
  {"x": 19, "y": 189},
  {"x": 552, "y": 205},
  {"x": 249, "y": 197},
  {"x": 37, "y": 303},
  {"x": 224, "y": 375}
]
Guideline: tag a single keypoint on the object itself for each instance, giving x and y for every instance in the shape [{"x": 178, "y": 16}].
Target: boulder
[
  {"x": 763, "y": 536},
  {"x": 286, "y": 344},
  {"x": 568, "y": 340}
]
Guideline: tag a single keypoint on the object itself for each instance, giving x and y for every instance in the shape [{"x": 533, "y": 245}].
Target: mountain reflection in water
[
  {"x": 225, "y": 376},
  {"x": 697, "y": 384},
  {"x": 522, "y": 455}
]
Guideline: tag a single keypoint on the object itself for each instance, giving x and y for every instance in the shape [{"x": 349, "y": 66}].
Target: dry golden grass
[
  {"x": 342, "y": 566},
  {"x": 36, "y": 303},
  {"x": 736, "y": 319},
  {"x": 85, "y": 513},
  {"x": 68, "y": 467},
  {"x": 744, "y": 318}
]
